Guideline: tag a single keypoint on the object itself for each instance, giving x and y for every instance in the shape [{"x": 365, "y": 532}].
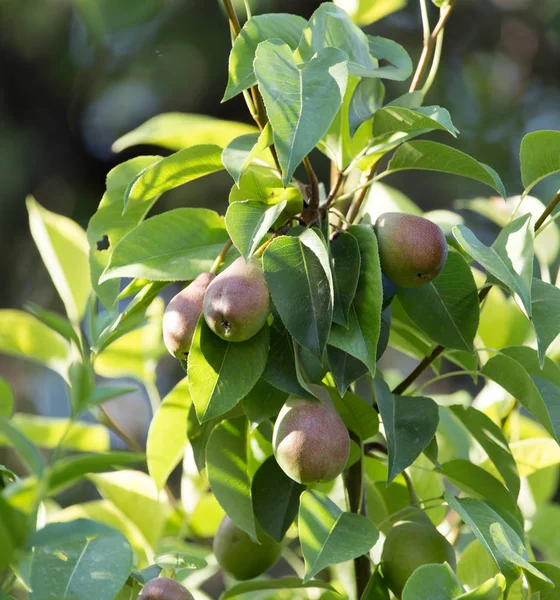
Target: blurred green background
[{"x": 77, "y": 74}]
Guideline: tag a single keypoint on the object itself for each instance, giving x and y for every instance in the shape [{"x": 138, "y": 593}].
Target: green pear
[
  {"x": 311, "y": 443},
  {"x": 412, "y": 250},
  {"x": 182, "y": 314},
  {"x": 164, "y": 588},
  {"x": 409, "y": 545},
  {"x": 239, "y": 555},
  {"x": 237, "y": 302}
]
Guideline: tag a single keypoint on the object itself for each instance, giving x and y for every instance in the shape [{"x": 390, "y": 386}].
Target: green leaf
[
  {"x": 358, "y": 415},
  {"x": 329, "y": 536},
  {"x": 553, "y": 573},
  {"x": 167, "y": 436},
  {"x": 23, "y": 446},
  {"x": 49, "y": 432},
  {"x": 135, "y": 494},
  {"x": 360, "y": 339},
  {"x": 63, "y": 246},
  {"x": 393, "y": 118},
  {"x": 376, "y": 588},
  {"x": 410, "y": 424},
  {"x": 539, "y": 156},
  {"x": 538, "y": 395},
  {"x": 364, "y": 12},
  {"x": 221, "y": 373},
  {"x": 248, "y": 222},
  {"x": 240, "y": 152},
  {"x": 298, "y": 274},
  {"x": 493, "y": 441},
  {"x": 280, "y": 369},
  {"x": 81, "y": 559},
  {"x": 367, "y": 99},
  {"x": 345, "y": 257},
  {"x": 179, "y": 560},
  {"x": 261, "y": 184},
  {"x": 447, "y": 308},
  {"x": 283, "y": 583},
  {"x": 437, "y": 582},
  {"x": 14, "y": 528},
  {"x": 480, "y": 518},
  {"x": 24, "y": 336},
  {"x": 226, "y": 464},
  {"x": 171, "y": 172},
  {"x": 344, "y": 368},
  {"x": 68, "y": 471},
  {"x": 263, "y": 401},
  {"x": 108, "y": 225},
  {"x": 545, "y": 308},
  {"x": 330, "y": 27},
  {"x": 275, "y": 499},
  {"x": 6, "y": 399},
  {"x": 55, "y": 321},
  {"x": 477, "y": 482},
  {"x": 534, "y": 454},
  {"x": 174, "y": 246},
  {"x": 285, "y": 27},
  {"x": 492, "y": 589},
  {"x": 103, "y": 393},
  {"x": 385, "y": 49},
  {"x": 507, "y": 259},
  {"x": 432, "y": 156},
  {"x": 301, "y": 100},
  {"x": 177, "y": 131}
]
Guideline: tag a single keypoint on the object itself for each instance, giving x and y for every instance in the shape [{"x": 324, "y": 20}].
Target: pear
[
  {"x": 182, "y": 314},
  {"x": 239, "y": 555},
  {"x": 412, "y": 249},
  {"x": 310, "y": 442},
  {"x": 164, "y": 588},
  {"x": 237, "y": 302},
  {"x": 409, "y": 545}
]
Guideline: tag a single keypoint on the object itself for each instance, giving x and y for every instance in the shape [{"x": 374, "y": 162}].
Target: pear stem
[{"x": 220, "y": 258}]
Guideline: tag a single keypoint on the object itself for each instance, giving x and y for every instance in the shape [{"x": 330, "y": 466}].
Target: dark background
[{"x": 77, "y": 74}]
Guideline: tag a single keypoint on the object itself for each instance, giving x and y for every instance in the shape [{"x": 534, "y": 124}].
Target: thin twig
[
  {"x": 220, "y": 258},
  {"x": 336, "y": 183},
  {"x": 367, "y": 178},
  {"x": 429, "y": 45},
  {"x": 233, "y": 19},
  {"x": 550, "y": 207}
]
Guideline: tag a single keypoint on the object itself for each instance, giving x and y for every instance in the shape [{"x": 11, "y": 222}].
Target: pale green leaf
[
  {"x": 364, "y": 12},
  {"x": 174, "y": 246},
  {"x": 437, "y": 582},
  {"x": 432, "y": 156},
  {"x": 283, "y": 583},
  {"x": 167, "y": 435},
  {"x": 539, "y": 156},
  {"x": 176, "y": 131},
  {"x": 248, "y": 222},
  {"x": 400, "y": 67},
  {"x": 6, "y": 399},
  {"x": 63, "y": 246},
  {"x": 393, "y": 118},
  {"x": 23, "y": 446},
  {"x": 545, "y": 308}
]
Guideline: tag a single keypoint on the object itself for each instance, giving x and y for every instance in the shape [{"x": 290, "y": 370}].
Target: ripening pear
[
  {"x": 237, "y": 302},
  {"x": 412, "y": 249},
  {"x": 409, "y": 545},
  {"x": 164, "y": 588},
  {"x": 239, "y": 555},
  {"x": 311, "y": 443},
  {"x": 182, "y": 314}
]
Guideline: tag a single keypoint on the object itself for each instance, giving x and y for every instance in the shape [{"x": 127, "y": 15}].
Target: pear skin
[
  {"x": 239, "y": 555},
  {"x": 163, "y": 588},
  {"x": 311, "y": 443},
  {"x": 412, "y": 250},
  {"x": 237, "y": 302},
  {"x": 182, "y": 314}
]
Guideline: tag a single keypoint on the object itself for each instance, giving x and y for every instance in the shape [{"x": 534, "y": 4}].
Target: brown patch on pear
[
  {"x": 412, "y": 250},
  {"x": 164, "y": 588},
  {"x": 239, "y": 555},
  {"x": 237, "y": 302},
  {"x": 182, "y": 314},
  {"x": 311, "y": 443}
]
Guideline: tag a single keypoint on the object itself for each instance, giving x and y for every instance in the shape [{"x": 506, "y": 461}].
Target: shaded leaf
[
  {"x": 23, "y": 446},
  {"x": 345, "y": 257},
  {"x": 283, "y": 583}
]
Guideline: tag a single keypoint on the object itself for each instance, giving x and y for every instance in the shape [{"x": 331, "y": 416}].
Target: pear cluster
[
  {"x": 235, "y": 303},
  {"x": 412, "y": 249}
]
